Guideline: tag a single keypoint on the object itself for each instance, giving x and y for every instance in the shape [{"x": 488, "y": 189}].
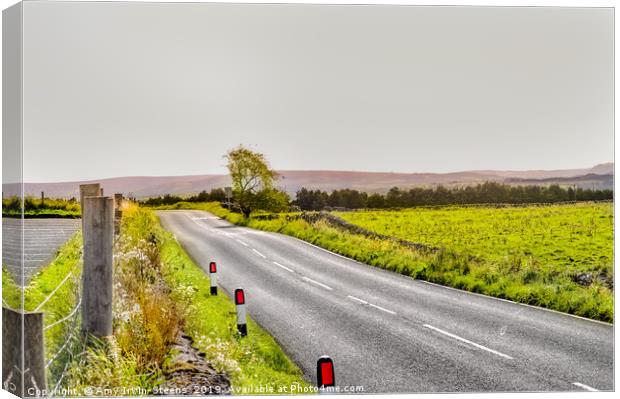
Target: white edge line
[
  {"x": 259, "y": 254},
  {"x": 380, "y": 308},
  {"x": 327, "y": 287},
  {"x": 242, "y": 242},
  {"x": 467, "y": 341},
  {"x": 283, "y": 267},
  {"x": 584, "y": 386}
]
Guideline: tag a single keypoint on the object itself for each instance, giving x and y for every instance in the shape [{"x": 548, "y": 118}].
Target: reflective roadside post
[
  {"x": 325, "y": 376},
  {"x": 241, "y": 313},
  {"x": 213, "y": 277}
]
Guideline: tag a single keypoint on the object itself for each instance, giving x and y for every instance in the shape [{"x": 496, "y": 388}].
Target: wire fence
[
  {"x": 62, "y": 341},
  {"x": 57, "y": 364},
  {"x": 61, "y": 332}
]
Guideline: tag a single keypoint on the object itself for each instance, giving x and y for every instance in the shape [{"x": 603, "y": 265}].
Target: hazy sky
[{"x": 117, "y": 89}]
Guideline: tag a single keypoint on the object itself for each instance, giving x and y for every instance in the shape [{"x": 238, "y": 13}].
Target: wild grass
[
  {"x": 146, "y": 320},
  {"x": 513, "y": 276}
]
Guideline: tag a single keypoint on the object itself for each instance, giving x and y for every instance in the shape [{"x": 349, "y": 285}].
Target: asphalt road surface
[
  {"x": 42, "y": 238},
  {"x": 390, "y": 333}
]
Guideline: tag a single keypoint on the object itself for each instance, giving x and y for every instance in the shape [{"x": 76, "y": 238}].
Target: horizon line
[{"x": 318, "y": 171}]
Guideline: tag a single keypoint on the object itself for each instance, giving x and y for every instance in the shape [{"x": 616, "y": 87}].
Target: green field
[
  {"x": 37, "y": 208},
  {"x": 562, "y": 238}
]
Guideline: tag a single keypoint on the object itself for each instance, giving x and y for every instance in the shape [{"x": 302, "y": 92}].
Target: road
[
  {"x": 387, "y": 332},
  {"x": 41, "y": 240}
]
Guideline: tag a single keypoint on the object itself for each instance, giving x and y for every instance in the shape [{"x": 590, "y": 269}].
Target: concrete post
[
  {"x": 23, "y": 358},
  {"x": 42, "y": 196},
  {"x": 98, "y": 237}
]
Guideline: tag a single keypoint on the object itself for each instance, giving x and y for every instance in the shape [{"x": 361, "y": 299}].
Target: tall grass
[{"x": 146, "y": 320}]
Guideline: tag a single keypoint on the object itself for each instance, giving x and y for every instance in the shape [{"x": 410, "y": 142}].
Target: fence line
[
  {"x": 53, "y": 292},
  {"x": 72, "y": 355},
  {"x": 77, "y": 307},
  {"x": 6, "y": 305},
  {"x": 98, "y": 237},
  {"x": 67, "y": 341}
]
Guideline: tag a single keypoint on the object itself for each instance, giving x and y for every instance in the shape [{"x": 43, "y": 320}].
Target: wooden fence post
[
  {"x": 98, "y": 224},
  {"x": 23, "y": 357},
  {"x": 118, "y": 213},
  {"x": 88, "y": 190}
]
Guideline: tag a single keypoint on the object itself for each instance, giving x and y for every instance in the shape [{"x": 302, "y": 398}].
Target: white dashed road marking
[
  {"x": 382, "y": 309},
  {"x": 283, "y": 267},
  {"x": 259, "y": 254},
  {"x": 468, "y": 341},
  {"x": 242, "y": 242},
  {"x": 308, "y": 279},
  {"x": 584, "y": 386},
  {"x": 363, "y": 302},
  {"x": 357, "y": 299}
]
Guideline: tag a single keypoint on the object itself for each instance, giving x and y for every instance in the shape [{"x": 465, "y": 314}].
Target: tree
[
  {"x": 311, "y": 200},
  {"x": 253, "y": 182}
]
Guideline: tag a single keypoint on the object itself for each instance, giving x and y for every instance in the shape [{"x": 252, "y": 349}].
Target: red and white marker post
[
  {"x": 325, "y": 376},
  {"x": 241, "y": 314},
  {"x": 213, "y": 277}
]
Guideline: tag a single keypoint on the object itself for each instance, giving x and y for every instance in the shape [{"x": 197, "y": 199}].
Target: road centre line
[
  {"x": 242, "y": 242},
  {"x": 308, "y": 279},
  {"x": 467, "y": 341},
  {"x": 283, "y": 267},
  {"x": 363, "y": 302},
  {"x": 357, "y": 299},
  {"x": 259, "y": 253},
  {"x": 584, "y": 386},
  {"x": 380, "y": 308}
]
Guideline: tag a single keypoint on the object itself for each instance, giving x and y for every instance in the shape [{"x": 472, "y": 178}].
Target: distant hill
[
  {"x": 599, "y": 176},
  {"x": 590, "y": 180}
]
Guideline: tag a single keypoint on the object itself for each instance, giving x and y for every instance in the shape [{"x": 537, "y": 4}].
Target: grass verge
[{"x": 508, "y": 279}]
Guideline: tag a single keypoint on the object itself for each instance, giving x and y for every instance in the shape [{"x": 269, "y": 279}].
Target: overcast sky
[{"x": 118, "y": 89}]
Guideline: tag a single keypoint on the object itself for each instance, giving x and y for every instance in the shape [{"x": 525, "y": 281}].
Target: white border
[{"x": 531, "y": 3}]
